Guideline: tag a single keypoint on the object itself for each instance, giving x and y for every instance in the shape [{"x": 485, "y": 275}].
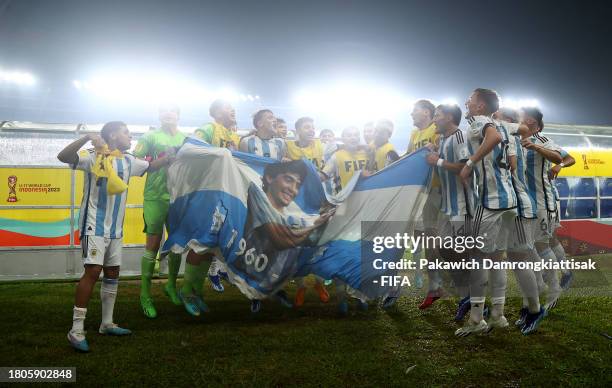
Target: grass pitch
[{"x": 311, "y": 346}]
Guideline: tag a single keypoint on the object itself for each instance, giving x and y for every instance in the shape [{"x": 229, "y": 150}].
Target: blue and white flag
[{"x": 219, "y": 204}]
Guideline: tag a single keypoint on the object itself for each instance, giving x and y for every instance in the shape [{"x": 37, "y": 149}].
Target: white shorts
[
  {"x": 428, "y": 218},
  {"x": 520, "y": 238},
  {"x": 102, "y": 251},
  {"x": 548, "y": 222},
  {"x": 490, "y": 225},
  {"x": 454, "y": 226}
]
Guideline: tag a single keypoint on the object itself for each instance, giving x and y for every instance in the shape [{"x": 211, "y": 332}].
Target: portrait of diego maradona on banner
[{"x": 275, "y": 230}]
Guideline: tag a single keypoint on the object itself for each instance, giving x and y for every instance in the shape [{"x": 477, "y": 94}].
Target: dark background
[{"x": 558, "y": 52}]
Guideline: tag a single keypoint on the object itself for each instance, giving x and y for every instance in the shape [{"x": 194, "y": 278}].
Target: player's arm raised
[{"x": 70, "y": 155}]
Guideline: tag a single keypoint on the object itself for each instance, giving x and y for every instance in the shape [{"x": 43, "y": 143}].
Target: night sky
[{"x": 558, "y": 52}]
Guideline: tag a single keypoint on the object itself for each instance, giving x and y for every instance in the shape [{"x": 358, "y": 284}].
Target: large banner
[{"x": 269, "y": 221}]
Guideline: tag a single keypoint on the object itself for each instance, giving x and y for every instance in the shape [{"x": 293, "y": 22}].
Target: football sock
[
  {"x": 174, "y": 264},
  {"x": 498, "y": 281},
  {"x": 202, "y": 270},
  {"x": 552, "y": 280},
  {"x": 559, "y": 254},
  {"x": 527, "y": 282},
  {"x": 108, "y": 294},
  {"x": 190, "y": 278},
  {"x": 78, "y": 319},
  {"x": 478, "y": 285},
  {"x": 147, "y": 265}
]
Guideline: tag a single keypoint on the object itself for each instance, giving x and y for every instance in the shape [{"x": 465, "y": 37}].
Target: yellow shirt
[
  {"x": 381, "y": 155},
  {"x": 343, "y": 164},
  {"x": 420, "y": 138},
  {"x": 217, "y": 135},
  {"x": 314, "y": 152}
]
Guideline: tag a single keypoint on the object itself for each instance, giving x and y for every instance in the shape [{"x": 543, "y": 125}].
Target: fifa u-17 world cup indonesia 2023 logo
[{"x": 12, "y": 183}]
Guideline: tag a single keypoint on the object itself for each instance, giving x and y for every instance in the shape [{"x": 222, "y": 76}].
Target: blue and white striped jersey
[
  {"x": 538, "y": 183},
  {"x": 102, "y": 214},
  {"x": 494, "y": 179},
  {"x": 271, "y": 148},
  {"x": 457, "y": 200},
  {"x": 527, "y": 207}
]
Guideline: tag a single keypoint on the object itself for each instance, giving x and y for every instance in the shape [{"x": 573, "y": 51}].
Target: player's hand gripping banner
[{"x": 270, "y": 221}]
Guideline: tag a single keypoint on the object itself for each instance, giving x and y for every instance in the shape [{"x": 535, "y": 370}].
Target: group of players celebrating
[{"x": 494, "y": 180}]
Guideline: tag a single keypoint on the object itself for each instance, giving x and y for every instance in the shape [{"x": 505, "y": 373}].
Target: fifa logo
[
  {"x": 12, "y": 183},
  {"x": 584, "y": 159}
]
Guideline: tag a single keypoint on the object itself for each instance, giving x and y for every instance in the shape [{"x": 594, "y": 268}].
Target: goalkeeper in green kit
[{"x": 155, "y": 144}]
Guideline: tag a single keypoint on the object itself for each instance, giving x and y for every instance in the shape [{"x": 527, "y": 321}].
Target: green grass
[{"x": 307, "y": 347}]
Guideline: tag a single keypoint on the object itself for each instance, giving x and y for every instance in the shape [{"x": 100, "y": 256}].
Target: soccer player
[
  {"x": 456, "y": 207},
  {"x": 382, "y": 152},
  {"x": 341, "y": 166},
  {"x": 263, "y": 142},
  {"x": 153, "y": 145},
  {"x": 328, "y": 138},
  {"x": 368, "y": 132},
  {"x": 348, "y": 159},
  {"x": 541, "y": 152},
  {"x": 280, "y": 126},
  {"x": 306, "y": 146},
  {"x": 555, "y": 244},
  {"x": 520, "y": 240},
  {"x": 496, "y": 210},
  {"x": 101, "y": 220},
  {"x": 220, "y": 133},
  {"x": 425, "y": 133}
]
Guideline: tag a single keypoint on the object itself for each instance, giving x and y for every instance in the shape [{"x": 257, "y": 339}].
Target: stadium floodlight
[
  {"x": 354, "y": 100},
  {"x": 149, "y": 88},
  {"x": 450, "y": 101},
  {"x": 520, "y": 103},
  {"x": 21, "y": 78}
]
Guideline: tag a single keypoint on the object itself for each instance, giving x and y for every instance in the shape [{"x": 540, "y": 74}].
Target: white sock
[
  {"x": 434, "y": 280},
  {"x": 212, "y": 270},
  {"x": 78, "y": 319},
  {"x": 478, "y": 285},
  {"x": 108, "y": 294},
  {"x": 552, "y": 278},
  {"x": 498, "y": 280},
  {"x": 559, "y": 254},
  {"x": 535, "y": 256},
  {"x": 527, "y": 282}
]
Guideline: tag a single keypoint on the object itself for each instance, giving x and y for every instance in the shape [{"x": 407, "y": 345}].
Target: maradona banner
[{"x": 269, "y": 221}]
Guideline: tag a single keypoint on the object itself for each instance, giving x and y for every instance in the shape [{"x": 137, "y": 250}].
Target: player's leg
[
  {"x": 214, "y": 275},
  {"x": 551, "y": 277},
  {"x": 321, "y": 290},
  {"x": 92, "y": 260},
  {"x": 110, "y": 284},
  {"x": 486, "y": 228},
  {"x": 154, "y": 214},
  {"x": 430, "y": 216},
  {"x": 196, "y": 266}
]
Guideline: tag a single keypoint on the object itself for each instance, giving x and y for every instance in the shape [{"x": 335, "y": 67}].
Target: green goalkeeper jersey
[{"x": 152, "y": 145}]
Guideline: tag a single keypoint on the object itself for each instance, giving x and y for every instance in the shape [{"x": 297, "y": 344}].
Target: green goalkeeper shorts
[{"x": 155, "y": 215}]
